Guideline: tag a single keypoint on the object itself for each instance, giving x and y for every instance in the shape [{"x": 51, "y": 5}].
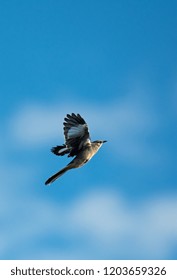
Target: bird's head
[{"x": 99, "y": 142}]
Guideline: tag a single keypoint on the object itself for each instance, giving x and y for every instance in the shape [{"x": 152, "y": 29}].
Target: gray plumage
[{"x": 77, "y": 143}]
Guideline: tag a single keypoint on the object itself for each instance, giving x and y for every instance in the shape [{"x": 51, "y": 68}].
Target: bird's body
[{"x": 77, "y": 143}]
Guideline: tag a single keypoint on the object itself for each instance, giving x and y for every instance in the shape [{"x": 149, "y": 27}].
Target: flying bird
[{"x": 77, "y": 143}]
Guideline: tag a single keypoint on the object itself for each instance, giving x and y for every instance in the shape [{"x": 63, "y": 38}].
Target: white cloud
[
  {"x": 127, "y": 124},
  {"x": 105, "y": 222},
  {"x": 35, "y": 125},
  {"x": 107, "y": 225},
  {"x": 150, "y": 228}
]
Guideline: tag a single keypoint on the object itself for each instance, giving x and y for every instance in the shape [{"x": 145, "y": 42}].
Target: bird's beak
[{"x": 104, "y": 141}]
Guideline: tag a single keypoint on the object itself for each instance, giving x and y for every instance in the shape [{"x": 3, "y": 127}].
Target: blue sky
[{"x": 115, "y": 63}]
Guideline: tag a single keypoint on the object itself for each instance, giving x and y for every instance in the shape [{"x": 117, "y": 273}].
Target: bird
[{"x": 77, "y": 144}]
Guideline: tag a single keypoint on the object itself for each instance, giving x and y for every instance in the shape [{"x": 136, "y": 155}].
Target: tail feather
[{"x": 58, "y": 174}]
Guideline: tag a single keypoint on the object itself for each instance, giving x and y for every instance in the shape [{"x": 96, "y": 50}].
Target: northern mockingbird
[{"x": 77, "y": 143}]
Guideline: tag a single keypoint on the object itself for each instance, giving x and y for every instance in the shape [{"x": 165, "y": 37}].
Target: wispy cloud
[
  {"x": 127, "y": 123},
  {"x": 106, "y": 223},
  {"x": 35, "y": 125}
]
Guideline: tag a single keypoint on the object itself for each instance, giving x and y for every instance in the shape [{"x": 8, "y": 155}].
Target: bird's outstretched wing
[{"x": 76, "y": 133}]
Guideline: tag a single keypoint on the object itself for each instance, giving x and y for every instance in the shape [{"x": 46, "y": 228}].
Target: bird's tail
[{"x": 58, "y": 174}]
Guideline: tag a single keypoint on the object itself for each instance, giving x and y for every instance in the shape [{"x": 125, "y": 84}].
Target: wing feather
[{"x": 76, "y": 133}]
